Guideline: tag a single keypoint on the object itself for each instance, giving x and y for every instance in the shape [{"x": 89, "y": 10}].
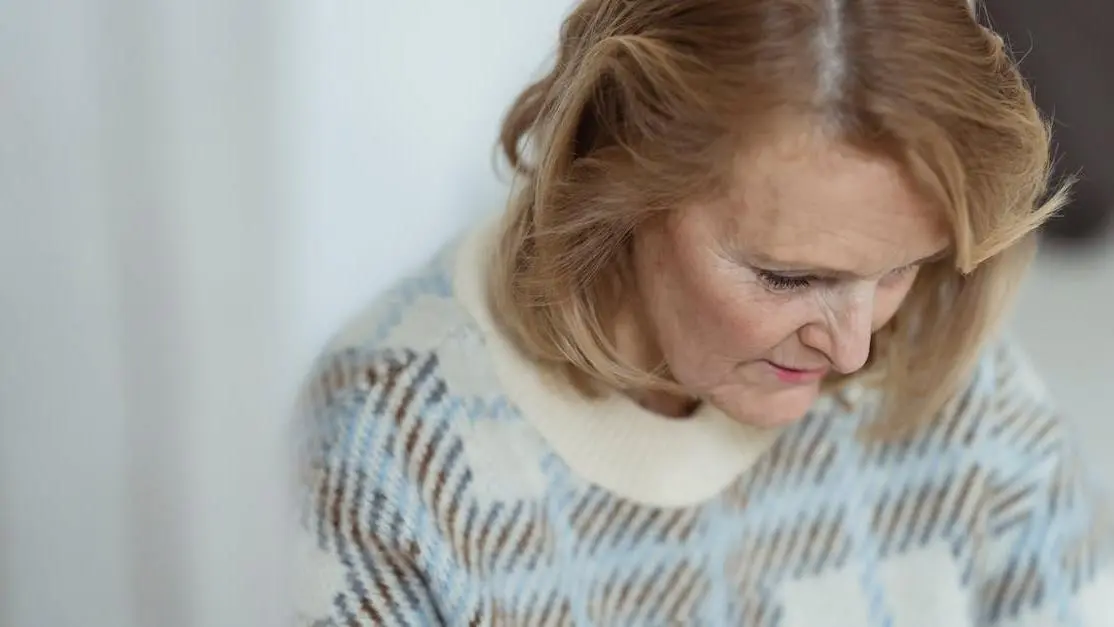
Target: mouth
[{"x": 787, "y": 374}]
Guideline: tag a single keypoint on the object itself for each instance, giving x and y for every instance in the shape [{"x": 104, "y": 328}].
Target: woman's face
[{"x": 754, "y": 299}]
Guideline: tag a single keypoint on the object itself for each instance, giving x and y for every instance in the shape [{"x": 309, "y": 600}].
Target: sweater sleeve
[
  {"x": 1049, "y": 531},
  {"x": 358, "y": 562}
]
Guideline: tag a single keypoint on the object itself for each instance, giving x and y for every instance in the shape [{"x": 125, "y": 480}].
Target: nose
[{"x": 844, "y": 335}]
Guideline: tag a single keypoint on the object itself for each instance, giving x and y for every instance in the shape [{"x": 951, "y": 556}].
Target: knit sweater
[{"x": 447, "y": 481}]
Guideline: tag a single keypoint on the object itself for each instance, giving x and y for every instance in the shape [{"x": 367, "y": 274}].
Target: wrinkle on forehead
[{"x": 815, "y": 203}]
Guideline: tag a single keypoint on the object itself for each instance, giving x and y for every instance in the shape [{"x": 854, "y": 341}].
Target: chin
[{"x": 771, "y": 409}]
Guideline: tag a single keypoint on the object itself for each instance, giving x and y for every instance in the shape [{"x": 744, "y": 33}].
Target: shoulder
[
  {"x": 1005, "y": 420},
  {"x": 1004, "y": 440},
  {"x": 412, "y": 350},
  {"x": 1002, "y": 465},
  {"x": 1029, "y": 447},
  {"x": 1043, "y": 507},
  {"x": 1019, "y": 421},
  {"x": 405, "y": 408},
  {"x": 1002, "y": 408},
  {"x": 416, "y": 312}
]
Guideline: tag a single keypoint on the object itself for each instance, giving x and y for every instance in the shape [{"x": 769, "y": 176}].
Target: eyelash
[{"x": 781, "y": 283}]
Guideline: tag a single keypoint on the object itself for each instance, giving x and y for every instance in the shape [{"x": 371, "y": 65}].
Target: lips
[
  {"x": 788, "y": 374},
  {"x": 798, "y": 369}
]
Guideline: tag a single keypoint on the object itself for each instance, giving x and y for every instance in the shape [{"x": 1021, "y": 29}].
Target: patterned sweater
[{"x": 448, "y": 482}]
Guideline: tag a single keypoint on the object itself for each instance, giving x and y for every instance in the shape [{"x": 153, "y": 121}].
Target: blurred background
[{"x": 194, "y": 195}]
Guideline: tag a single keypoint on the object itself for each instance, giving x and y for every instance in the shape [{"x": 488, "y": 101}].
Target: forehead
[{"x": 810, "y": 202}]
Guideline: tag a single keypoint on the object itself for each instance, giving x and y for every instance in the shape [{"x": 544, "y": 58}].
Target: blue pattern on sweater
[{"x": 395, "y": 508}]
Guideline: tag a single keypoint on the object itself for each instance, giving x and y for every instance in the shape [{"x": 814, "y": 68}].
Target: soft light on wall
[{"x": 193, "y": 196}]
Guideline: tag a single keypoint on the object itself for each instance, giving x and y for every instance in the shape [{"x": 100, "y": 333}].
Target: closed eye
[
  {"x": 782, "y": 283},
  {"x": 787, "y": 283}
]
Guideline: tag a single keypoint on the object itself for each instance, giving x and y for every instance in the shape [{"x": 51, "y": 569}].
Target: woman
[{"x": 729, "y": 358}]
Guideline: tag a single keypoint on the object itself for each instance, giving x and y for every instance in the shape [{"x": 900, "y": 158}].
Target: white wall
[
  {"x": 145, "y": 365},
  {"x": 403, "y": 101},
  {"x": 193, "y": 196},
  {"x": 64, "y": 549}
]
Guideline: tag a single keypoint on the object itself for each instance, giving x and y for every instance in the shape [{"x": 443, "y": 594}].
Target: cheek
[
  {"x": 739, "y": 320},
  {"x": 707, "y": 313}
]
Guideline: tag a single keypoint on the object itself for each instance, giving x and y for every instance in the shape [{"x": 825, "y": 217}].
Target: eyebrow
[{"x": 766, "y": 262}]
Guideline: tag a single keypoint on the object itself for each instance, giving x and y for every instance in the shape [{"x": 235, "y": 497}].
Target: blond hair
[{"x": 649, "y": 103}]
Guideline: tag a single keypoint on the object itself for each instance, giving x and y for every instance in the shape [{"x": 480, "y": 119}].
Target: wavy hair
[{"x": 650, "y": 102}]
